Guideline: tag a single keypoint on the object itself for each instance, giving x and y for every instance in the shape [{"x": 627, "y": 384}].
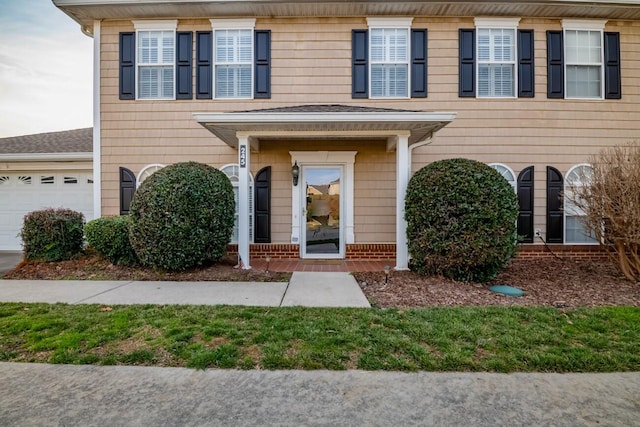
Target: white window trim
[
  {"x": 233, "y": 24},
  {"x": 496, "y": 24},
  {"x": 564, "y": 219},
  {"x": 392, "y": 23},
  {"x": 156, "y": 166},
  {"x": 584, "y": 25},
  {"x": 253, "y": 204},
  {"x": 513, "y": 183},
  {"x": 155, "y": 25}
]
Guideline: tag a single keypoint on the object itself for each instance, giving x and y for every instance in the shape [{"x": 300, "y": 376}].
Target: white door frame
[
  {"x": 303, "y": 214},
  {"x": 346, "y": 159}
]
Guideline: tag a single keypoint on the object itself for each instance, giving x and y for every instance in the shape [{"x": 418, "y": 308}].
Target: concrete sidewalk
[
  {"x": 304, "y": 289},
  {"x": 57, "y": 395}
]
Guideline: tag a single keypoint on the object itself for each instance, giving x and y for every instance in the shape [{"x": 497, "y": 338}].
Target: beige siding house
[{"x": 361, "y": 94}]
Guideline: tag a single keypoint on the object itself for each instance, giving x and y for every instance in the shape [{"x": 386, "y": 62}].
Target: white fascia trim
[
  {"x": 233, "y": 118},
  {"x": 233, "y": 24},
  {"x": 577, "y": 24},
  {"x": 497, "y": 22},
  {"x": 390, "y": 22},
  {"x": 156, "y": 25},
  {"x": 45, "y": 157}
]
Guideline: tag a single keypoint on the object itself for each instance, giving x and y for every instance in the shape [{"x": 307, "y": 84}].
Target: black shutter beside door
[
  {"x": 262, "y": 207},
  {"x": 555, "y": 214},
  {"x": 525, "y": 201}
]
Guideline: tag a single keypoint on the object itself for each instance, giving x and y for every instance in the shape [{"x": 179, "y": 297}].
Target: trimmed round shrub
[
  {"x": 182, "y": 216},
  {"x": 52, "y": 234},
  {"x": 461, "y": 220},
  {"x": 110, "y": 237}
]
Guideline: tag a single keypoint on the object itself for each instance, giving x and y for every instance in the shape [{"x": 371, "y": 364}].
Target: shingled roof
[{"x": 69, "y": 141}]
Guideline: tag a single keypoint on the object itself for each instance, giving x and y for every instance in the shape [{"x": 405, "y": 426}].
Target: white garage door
[{"x": 23, "y": 192}]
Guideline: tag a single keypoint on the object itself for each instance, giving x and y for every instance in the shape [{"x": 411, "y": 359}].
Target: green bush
[
  {"x": 461, "y": 220},
  {"x": 110, "y": 237},
  {"x": 182, "y": 216},
  {"x": 52, "y": 234}
]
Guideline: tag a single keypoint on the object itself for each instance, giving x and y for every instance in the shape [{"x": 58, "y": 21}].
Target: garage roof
[{"x": 69, "y": 141}]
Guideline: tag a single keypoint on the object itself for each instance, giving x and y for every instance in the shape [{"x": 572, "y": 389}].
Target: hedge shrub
[
  {"x": 52, "y": 234},
  {"x": 182, "y": 216},
  {"x": 110, "y": 237},
  {"x": 461, "y": 220}
]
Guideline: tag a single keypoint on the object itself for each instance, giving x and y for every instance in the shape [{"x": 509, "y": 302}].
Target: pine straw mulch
[{"x": 546, "y": 282}]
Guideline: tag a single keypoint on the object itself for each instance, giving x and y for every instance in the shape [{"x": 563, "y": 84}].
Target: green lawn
[{"x": 499, "y": 339}]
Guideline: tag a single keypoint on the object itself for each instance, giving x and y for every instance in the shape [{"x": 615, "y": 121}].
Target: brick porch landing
[{"x": 291, "y": 265}]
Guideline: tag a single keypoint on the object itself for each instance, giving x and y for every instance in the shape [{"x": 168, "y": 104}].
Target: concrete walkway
[
  {"x": 64, "y": 395},
  {"x": 304, "y": 289}
]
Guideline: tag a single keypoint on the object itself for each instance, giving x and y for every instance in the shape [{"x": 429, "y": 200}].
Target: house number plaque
[{"x": 243, "y": 156}]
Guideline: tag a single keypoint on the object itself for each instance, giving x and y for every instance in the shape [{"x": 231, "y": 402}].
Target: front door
[{"x": 322, "y": 212}]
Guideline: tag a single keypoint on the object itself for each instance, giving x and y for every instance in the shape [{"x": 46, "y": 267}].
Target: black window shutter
[
  {"x": 419, "y": 63},
  {"x": 555, "y": 64},
  {"x": 555, "y": 215},
  {"x": 612, "y": 80},
  {"x": 526, "y": 65},
  {"x": 359, "y": 64},
  {"x": 127, "y": 189},
  {"x": 262, "y": 208},
  {"x": 204, "y": 72},
  {"x": 262, "y": 78},
  {"x": 127, "y": 67},
  {"x": 184, "y": 68},
  {"x": 467, "y": 65},
  {"x": 525, "y": 201}
]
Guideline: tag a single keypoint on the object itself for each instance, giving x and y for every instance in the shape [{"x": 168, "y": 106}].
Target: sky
[{"x": 46, "y": 70}]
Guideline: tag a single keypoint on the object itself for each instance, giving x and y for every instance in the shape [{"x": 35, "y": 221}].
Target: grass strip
[{"x": 497, "y": 339}]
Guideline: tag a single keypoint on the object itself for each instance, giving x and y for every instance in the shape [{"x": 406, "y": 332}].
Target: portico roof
[{"x": 322, "y": 121}]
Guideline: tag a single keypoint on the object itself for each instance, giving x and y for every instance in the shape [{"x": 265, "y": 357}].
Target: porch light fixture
[{"x": 295, "y": 173}]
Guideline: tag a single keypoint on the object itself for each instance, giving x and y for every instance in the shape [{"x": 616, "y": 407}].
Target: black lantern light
[{"x": 295, "y": 173}]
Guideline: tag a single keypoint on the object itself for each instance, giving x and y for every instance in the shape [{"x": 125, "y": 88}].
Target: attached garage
[{"x": 41, "y": 171}]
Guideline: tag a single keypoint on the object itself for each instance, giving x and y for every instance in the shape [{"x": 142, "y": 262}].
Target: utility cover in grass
[{"x": 507, "y": 290}]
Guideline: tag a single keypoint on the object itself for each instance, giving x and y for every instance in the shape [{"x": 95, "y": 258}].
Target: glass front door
[{"x": 322, "y": 212}]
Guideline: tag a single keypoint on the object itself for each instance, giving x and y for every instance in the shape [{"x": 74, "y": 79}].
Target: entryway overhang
[{"x": 403, "y": 130}]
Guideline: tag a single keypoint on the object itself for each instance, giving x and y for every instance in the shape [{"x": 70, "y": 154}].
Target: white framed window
[
  {"x": 155, "y": 59},
  {"x": 574, "y": 230},
  {"x": 584, "y": 56},
  {"x": 496, "y": 50},
  {"x": 233, "y": 45},
  {"x": 233, "y": 172},
  {"x": 147, "y": 171},
  {"x": 507, "y": 174},
  {"x": 389, "y": 57}
]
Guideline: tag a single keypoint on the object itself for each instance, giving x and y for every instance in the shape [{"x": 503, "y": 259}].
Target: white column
[
  {"x": 97, "y": 159},
  {"x": 244, "y": 151},
  {"x": 403, "y": 172}
]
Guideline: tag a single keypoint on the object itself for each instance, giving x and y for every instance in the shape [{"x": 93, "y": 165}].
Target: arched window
[
  {"x": 147, "y": 171},
  {"x": 574, "y": 229},
  {"x": 233, "y": 172},
  {"x": 507, "y": 173}
]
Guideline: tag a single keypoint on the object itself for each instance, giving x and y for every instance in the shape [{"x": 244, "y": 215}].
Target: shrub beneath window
[
  {"x": 461, "y": 220},
  {"x": 110, "y": 237},
  {"x": 182, "y": 216},
  {"x": 52, "y": 234}
]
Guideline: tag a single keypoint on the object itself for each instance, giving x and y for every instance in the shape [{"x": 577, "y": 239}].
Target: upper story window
[
  {"x": 496, "y": 60},
  {"x": 389, "y": 57},
  {"x": 583, "y": 51},
  {"x": 155, "y": 59},
  {"x": 233, "y": 58},
  {"x": 496, "y": 53},
  {"x": 389, "y": 60}
]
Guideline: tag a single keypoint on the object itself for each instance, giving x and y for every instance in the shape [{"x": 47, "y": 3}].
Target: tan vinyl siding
[{"x": 311, "y": 63}]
